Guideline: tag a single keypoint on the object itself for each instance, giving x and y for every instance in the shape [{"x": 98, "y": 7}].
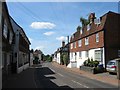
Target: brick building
[{"x": 99, "y": 40}]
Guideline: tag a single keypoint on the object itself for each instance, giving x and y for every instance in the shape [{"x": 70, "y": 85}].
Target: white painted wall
[
  {"x": 58, "y": 58},
  {"x": 80, "y": 60},
  {"x": 73, "y": 60},
  {"x": 31, "y": 59}
]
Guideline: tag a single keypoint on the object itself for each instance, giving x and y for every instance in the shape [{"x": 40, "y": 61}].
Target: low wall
[
  {"x": 20, "y": 69},
  {"x": 88, "y": 69},
  {"x": 26, "y": 66},
  {"x": 93, "y": 70}
]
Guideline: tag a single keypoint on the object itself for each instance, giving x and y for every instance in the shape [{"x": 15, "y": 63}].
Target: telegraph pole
[{"x": 68, "y": 49}]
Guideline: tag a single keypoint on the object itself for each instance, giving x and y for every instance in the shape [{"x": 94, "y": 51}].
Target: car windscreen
[{"x": 111, "y": 63}]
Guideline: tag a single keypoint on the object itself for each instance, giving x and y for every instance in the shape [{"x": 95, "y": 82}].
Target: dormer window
[
  {"x": 88, "y": 27},
  {"x": 97, "y": 21},
  {"x": 11, "y": 37},
  {"x": 5, "y": 30}
]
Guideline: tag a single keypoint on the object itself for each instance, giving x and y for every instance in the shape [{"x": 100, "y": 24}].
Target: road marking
[
  {"x": 60, "y": 74},
  {"x": 52, "y": 70},
  {"x": 80, "y": 84}
]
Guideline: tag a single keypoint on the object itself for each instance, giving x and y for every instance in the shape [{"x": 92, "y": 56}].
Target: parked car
[{"x": 111, "y": 66}]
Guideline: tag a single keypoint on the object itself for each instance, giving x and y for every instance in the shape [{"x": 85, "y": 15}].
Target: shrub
[
  {"x": 85, "y": 62},
  {"x": 91, "y": 63},
  {"x": 96, "y": 63}
]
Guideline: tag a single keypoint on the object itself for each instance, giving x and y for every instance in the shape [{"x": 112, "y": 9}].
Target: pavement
[
  {"x": 103, "y": 77},
  {"x": 25, "y": 79}
]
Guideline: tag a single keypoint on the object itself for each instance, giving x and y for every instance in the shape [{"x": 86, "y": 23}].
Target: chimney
[
  {"x": 63, "y": 43},
  {"x": 91, "y": 17}
]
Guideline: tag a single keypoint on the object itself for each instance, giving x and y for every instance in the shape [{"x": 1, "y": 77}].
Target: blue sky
[{"x": 48, "y": 23}]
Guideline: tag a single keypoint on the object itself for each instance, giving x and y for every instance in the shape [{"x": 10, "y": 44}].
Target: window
[
  {"x": 80, "y": 43},
  {"x": 11, "y": 37},
  {"x": 86, "y": 54},
  {"x": 88, "y": 27},
  {"x": 81, "y": 31},
  {"x": 74, "y": 44},
  {"x": 97, "y": 37},
  {"x": 71, "y": 55},
  {"x": 71, "y": 45},
  {"x": 5, "y": 30},
  {"x": 97, "y": 21},
  {"x": 98, "y": 55},
  {"x": 86, "y": 40},
  {"x": 80, "y": 54}
]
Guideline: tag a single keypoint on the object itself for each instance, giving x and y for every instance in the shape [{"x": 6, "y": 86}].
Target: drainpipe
[{"x": 68, "y": 50}]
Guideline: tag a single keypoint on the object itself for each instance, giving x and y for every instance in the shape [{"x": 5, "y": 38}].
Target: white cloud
[
  {"x": 49, "y": 33},
  {"x": 42, "y": 25},
  {"x": 61, "y": 38}
]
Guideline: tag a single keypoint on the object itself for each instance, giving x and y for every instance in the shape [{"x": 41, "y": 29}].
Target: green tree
[
  {"x": 65, "y": 59},
  {"x": 84, "y": 21}
]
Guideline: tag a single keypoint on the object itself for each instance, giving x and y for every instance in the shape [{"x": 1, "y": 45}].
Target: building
[
  {"x": 99, "y": 40},
  {"x": 21, "y": 48},
  {"x": 31, "y": 57},
  {"x": 38, "y": 53},
  {"x": 61, "y": 56},
  {"x": 7, "y": 42},
  {"x": 55, "y": 56}
]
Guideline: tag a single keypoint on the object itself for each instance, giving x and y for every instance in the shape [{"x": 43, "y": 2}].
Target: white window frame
[
  {"x": 86, "y": 40},
  {"x": 98, "y": 53},
  {"x": 86, "y": 54},
  {"x": 97, "y": 37},
  {"x": 71, "y": 45},
  {"x": 80, "y": 43},
  {"x": 74, "y": 44},
  {"x": 80, "y": 54}
]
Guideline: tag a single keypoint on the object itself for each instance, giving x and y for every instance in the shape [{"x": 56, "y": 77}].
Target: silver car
[{"x": 111, "y": 66}]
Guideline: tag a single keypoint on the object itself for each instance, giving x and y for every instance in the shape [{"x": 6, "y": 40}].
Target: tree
[
  {"x": 84, "y": 21},
  {"x": 65, "y": 59}
]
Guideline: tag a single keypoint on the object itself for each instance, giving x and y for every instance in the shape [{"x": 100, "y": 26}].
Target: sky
[{"x": 47, "y": 24}]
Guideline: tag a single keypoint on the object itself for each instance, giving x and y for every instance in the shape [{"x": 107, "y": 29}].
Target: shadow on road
[{"x": 43, "y": 77}]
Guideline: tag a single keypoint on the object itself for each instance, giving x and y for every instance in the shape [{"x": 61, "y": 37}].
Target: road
[{"x": 49, "y": 76}]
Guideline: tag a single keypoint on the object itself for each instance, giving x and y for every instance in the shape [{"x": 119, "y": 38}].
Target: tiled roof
[{"x": 94, "y": 28}]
